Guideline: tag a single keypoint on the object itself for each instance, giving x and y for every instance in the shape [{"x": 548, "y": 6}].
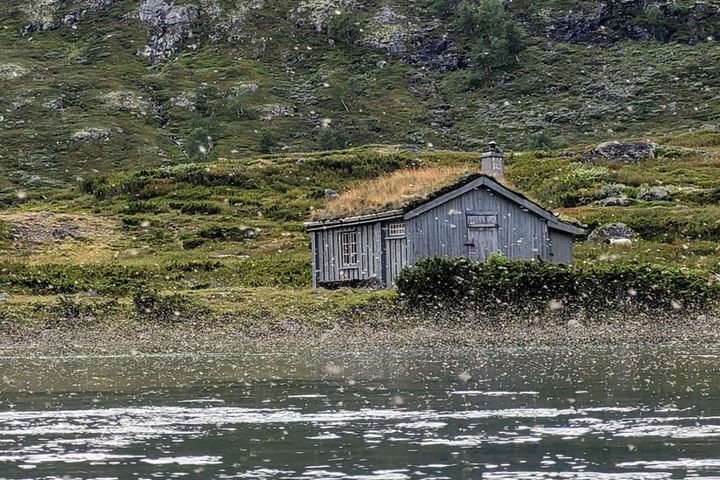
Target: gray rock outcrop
[
  {"x": 657, "y": 194},
  {"x": 614, "y": 202},
  {"x": 170, "y": 27},
  {"x": 611, "y": 231},
  {"x": 628, "y": 152},
  {"x": 91, "y": 135},
  {"x": 43, "y": 15}
]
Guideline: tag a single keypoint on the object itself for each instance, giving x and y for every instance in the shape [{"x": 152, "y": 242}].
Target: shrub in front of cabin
[{"x": 501, "y": 285}]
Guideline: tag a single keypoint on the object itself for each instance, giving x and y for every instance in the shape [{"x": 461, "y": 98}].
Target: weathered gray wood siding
[
  {"x": 328, "y": 256},
  {"x": 443, "y": 230},
  {"x": 561, "y": 246},
  {"x": 396, "y": 255}
]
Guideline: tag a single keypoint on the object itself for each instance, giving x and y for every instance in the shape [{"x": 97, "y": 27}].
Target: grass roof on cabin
[{"x": 400, "y": 190}]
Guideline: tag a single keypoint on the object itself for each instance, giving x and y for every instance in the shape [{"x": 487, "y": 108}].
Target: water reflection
[{"x": 495, "y": 414}]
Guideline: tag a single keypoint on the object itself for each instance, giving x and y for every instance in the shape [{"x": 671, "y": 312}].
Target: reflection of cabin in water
[{"x": 474, "y": 217}]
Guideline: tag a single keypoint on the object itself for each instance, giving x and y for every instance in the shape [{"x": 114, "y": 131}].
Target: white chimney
[{"x": 493, "y": 161}]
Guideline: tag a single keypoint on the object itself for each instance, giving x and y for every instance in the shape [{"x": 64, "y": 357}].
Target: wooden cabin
[{"x": 474, "y": 217}]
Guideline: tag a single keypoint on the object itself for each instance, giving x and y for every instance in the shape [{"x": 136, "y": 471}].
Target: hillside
[
  {"x": 94, "y": 86},
  {"x": 227, "y": 237}
]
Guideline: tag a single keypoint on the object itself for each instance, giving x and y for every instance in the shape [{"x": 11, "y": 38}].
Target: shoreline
[{"x": 133, "y": 338}]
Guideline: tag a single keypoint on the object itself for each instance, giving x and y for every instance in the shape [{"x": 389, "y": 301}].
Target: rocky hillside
[{"x": 98, "y": 85}]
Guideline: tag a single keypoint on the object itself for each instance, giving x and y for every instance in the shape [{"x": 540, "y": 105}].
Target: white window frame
[
  {"x": 396, "y": 230},
  {"x": 349, "y": 249}
]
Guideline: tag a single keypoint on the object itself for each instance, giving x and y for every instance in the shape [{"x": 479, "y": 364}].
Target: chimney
[{"x": 493, "y": 161}]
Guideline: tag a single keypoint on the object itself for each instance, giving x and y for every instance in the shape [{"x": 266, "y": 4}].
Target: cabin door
[
  {"x": 482, "y": 243},
  {"x": 482, "y": 236}
]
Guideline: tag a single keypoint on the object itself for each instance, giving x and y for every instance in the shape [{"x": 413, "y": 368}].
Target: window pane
[
  {"x": 348, "y": 248},
  {"x": 396, "y": 229},
  {"x": 482, "y": 219}
]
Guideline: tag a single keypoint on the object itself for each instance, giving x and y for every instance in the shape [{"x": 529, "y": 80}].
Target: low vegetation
[
  {"x": 228, "y": 235},
  {"x": 394, "y": 190},
  {"x": 494, "y": 287}
]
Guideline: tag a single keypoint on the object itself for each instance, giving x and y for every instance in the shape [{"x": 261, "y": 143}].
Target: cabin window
[
  {"x": 396, "y": 230},
  {"x": 349, "y": 249},
  {"x": 482, "y": 220}
]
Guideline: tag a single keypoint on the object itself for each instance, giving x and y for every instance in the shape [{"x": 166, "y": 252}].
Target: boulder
[
  {"x": 43, "y": 15},
  {"x": 170, "y": 28},
  {"x": 611, "y": 232},
  {"x": 628, "y": 152},
  {"x": 91, "y": 135},
  {"x": 330, "y": 194},
  {"x": 272, "y": 111},
  {"x": 389, "y": 31},
  {"x": 659, "y": 194},
  {"x": 614, "y": 202},
  {"x": 9, "y": 71}
]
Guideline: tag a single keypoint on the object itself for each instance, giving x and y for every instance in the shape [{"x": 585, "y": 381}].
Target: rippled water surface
[{"x": 623, "y": 413}]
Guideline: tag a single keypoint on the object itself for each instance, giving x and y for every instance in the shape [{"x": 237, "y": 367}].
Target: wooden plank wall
[
  {"x": 329, "y": 256},
  {"x": 396, "y": 252},
  {"x": 442, "y": 231},
  {"x": 561, "y": 246}
]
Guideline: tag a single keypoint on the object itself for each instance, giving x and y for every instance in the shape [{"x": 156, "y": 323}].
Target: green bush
[
  {"x": 267, "y": 142},
  {"x": 134, "y": 208},
  {"x": 197, "y": 208},
  {"x": 495, "y": 39},
  {"x": 502, "y": 285},
  {"x": 153, "y": 306},
  {"x": 331, "y": 139},
  {"x": 227, "y": 234},
  {"x": 344, "y": 29}
]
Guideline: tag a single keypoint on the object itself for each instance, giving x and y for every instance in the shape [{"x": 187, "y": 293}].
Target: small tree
[
  {"x": 495, "y": 39},
  {"x": 200, "y": 140},
  {"x": 267, "y": 142},
  {"x": 343, "y": 29},
  {"x": 659, "y": 25},
  {"x": 545, "y": 141},
  {"x": 331, "y": 139}
]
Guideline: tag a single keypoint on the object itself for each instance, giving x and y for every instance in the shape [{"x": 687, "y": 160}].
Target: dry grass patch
[{"x": 393, "y": 191}]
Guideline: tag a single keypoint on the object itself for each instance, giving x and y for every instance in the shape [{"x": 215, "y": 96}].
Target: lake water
[{"x": 592, "y": 413}]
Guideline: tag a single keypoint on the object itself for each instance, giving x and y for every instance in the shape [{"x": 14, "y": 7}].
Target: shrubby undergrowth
[{"x": 501, "y": 285}]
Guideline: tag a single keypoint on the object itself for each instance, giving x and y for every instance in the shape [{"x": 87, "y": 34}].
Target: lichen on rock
[
  {"x": 128, "y": 101},
  {"x": 272, "y": 111},
  {"x": 186, "y": 100},
  {"x": 9, "y": 71},
  {"x": 245, "y": 88},
  {"x": 170, "y": 27},
  {"x": 43, "y": 15},
  {"x": 91, "y": 134},
  {"x": 317, "y": 13},
  {"x": 389, "y": 31}
]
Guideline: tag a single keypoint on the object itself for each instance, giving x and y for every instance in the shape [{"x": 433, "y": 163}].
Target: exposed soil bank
[{"x": 400, "y": 332}]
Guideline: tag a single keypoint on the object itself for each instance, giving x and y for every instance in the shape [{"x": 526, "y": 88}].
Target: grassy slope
[
  {"x": 575, "y": 93},
  {"x": 172, "y": 229}
]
